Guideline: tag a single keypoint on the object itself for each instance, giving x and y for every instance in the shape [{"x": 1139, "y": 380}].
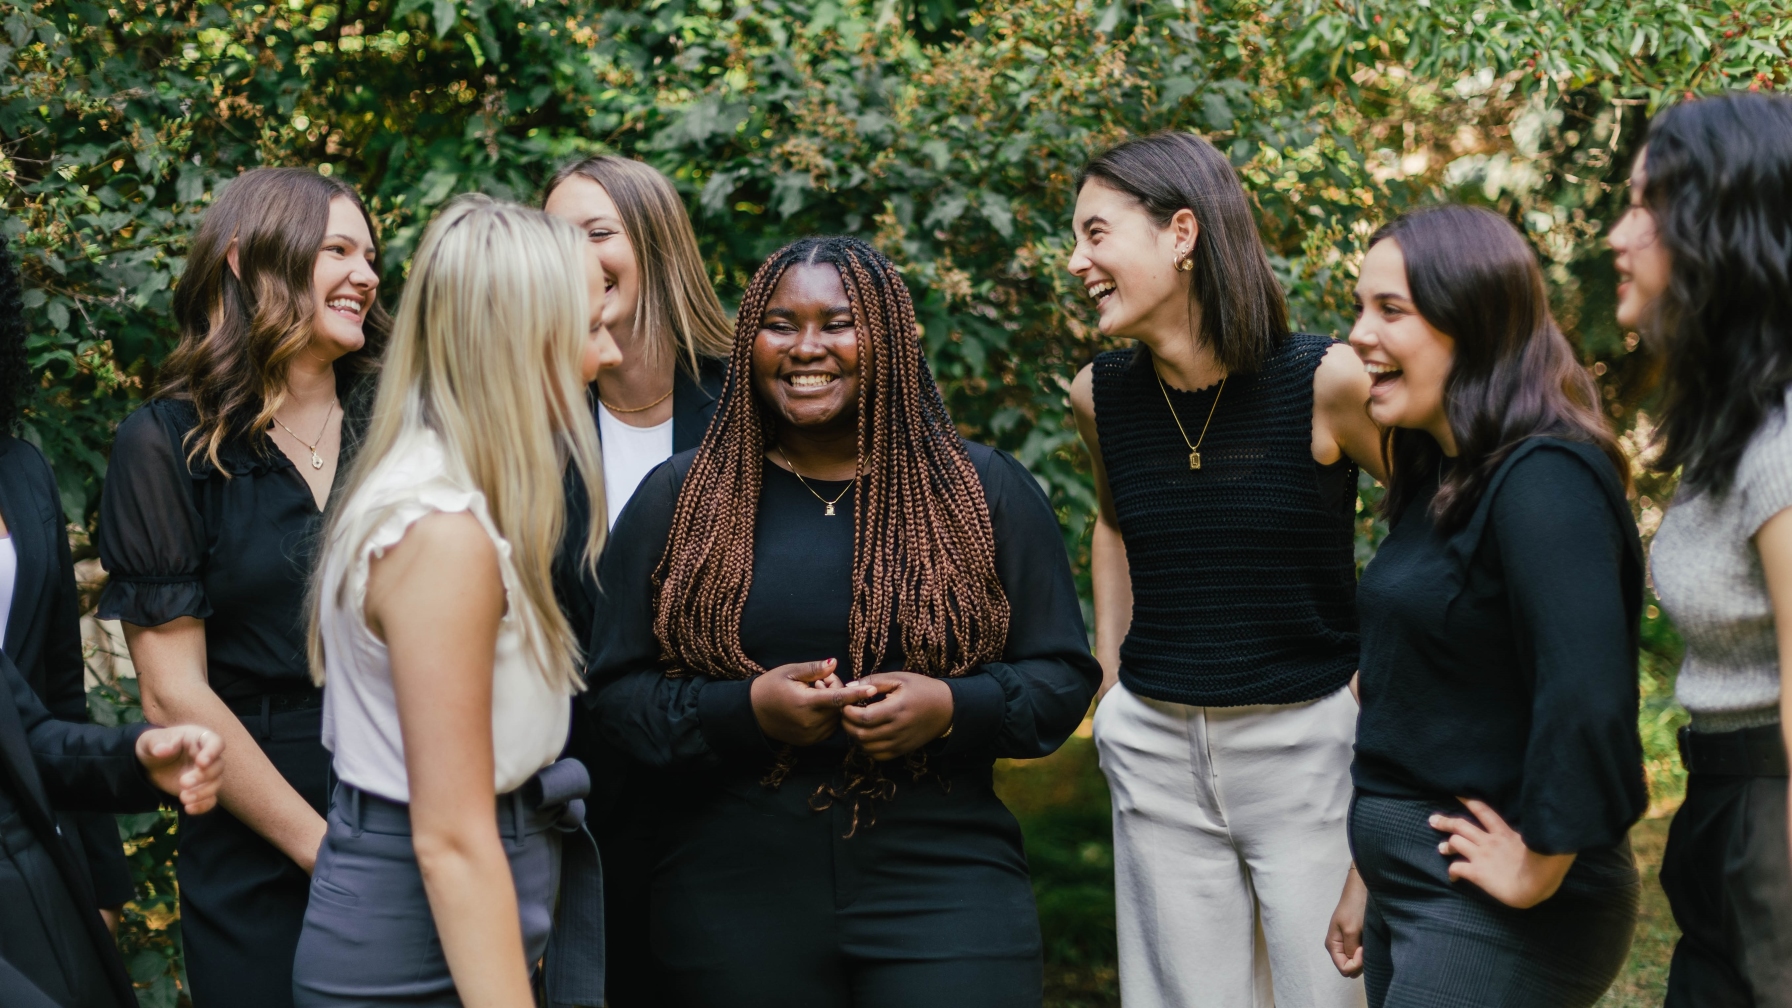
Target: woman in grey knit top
[{"x": 1704, "y": 256}]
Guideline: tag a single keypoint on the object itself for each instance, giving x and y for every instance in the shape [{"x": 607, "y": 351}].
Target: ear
[
  {"x": 1184, "y": 232},
  {"x": 230, "y": 257}
]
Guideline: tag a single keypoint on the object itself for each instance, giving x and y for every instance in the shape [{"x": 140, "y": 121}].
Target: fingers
[
  {"x": 1490, "y": 820},
  {"x": 884, "y": 712},
  {"x": 1458, "y": 826},
  {"x": 806, "y": 672}
]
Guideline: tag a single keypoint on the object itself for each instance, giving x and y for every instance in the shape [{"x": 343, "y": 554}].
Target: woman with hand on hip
[
  {"x": 214, "y": 498},
  {"x": 1225, "y": 451},
  {"x": 828, "y": 622},
  {"x": 1704, "y": 256},
  {"x": 448, "y": 661},
  {"x": 674, "y": 339},
  {"x": 1498, "y": 767}
]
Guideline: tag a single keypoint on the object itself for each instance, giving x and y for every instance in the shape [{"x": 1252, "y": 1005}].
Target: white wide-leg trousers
[{"x": 1230, "y": 849}]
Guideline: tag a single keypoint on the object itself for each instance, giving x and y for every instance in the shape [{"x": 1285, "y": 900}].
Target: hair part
[
  {"x": 485, "y": 353},
  {"x": 240, "y": 329},
  {"x": 678, "y": 312},
  {"x": 1718, "y": 181},
  {"x": 1243, "y": 316},
  {"x": 1474, "y": 278}
]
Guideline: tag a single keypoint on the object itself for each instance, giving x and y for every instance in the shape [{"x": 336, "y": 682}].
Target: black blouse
[
  {"x": 1023, "y": 706},
  {"x": 233, "y": 546},
  {"x": 1499, "y": 663}
]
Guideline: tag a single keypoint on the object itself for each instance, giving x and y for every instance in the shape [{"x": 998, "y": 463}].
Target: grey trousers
[{"x": 369, "y": 937}]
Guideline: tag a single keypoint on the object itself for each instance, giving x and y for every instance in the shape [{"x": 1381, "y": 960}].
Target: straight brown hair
[
  {"x": 678, "y": 307},
  {"x": 240, "y": 333}
]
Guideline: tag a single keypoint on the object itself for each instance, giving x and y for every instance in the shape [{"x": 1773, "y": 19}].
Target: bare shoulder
[
  {"x": 1340, "y": 383},
  {"x": 1082, "y": 392},
  {"x": 441, "y": 544}
]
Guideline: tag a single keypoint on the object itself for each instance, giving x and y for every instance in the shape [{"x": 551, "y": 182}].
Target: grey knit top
[{"x": 1708, "y": 575}]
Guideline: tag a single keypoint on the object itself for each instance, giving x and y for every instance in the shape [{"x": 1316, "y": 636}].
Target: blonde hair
[
  {"x": 485, "y": 354},
  {"x": 678, "y": 311}
]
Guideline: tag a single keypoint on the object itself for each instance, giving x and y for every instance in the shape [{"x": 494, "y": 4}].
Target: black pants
[
  {"x": 758, "y": 901},
  {"x": 41, "y": 931},
  {"x": 1728, "y": 876},
  {"x": 242, "y": 902},
  {"x": 1430, "y": 942}
]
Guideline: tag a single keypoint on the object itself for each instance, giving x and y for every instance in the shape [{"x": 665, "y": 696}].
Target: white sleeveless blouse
[{"x": 530, "y": 716}]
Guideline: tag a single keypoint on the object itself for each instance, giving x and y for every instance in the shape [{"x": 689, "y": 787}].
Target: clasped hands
[
  {"x": 184, "y": 761},
  {"x": 889, "y": 714}
]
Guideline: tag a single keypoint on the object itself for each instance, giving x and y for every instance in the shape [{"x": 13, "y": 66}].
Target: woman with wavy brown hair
[
  {"x": 213, "y": 503},
  {"x": 825, "y": 625}
]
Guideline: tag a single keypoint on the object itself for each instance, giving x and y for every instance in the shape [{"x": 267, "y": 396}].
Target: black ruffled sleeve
[{"x": 151, "y": 539}]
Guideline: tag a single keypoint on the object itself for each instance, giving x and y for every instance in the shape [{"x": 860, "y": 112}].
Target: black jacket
[
  {"x": 43, "y": 637},
  {"x": 48, "y": 764}
]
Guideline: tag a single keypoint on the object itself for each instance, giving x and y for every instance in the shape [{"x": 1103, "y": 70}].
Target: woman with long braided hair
[{"x": 826, "y": 623}]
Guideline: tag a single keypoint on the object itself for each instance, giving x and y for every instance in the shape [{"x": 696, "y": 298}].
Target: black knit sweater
[{"x": 1243, "y": 572}]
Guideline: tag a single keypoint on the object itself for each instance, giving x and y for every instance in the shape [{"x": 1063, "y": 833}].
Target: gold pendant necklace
[
  {"x": 829, "y": 513},
  {"x": 1194, "y": 447},
  {"x": 317, "y": 461}
]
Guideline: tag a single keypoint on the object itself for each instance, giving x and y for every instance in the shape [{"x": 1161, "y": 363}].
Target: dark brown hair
[
  {"x": 1475, "y": 279},
  {"x": 1243, "y": 316},
  {"x": 1718, "y": 180},
  {"x": 678, "y": 310},
  {"x": 240, "y": 333}
]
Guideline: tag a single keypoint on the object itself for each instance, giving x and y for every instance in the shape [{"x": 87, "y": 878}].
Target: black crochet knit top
[{"x": 1243, "y": 572}]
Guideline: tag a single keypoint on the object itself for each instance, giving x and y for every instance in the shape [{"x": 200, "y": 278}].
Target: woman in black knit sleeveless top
[{"x": 1225, "y": 452}]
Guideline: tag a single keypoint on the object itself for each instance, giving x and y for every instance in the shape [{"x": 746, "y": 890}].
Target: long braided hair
[{"x": 923, "y": 547}]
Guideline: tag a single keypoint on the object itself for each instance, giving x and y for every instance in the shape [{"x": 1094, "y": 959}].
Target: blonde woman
[
  {"x": 449, "y": 663},
  {"x": 675, "y": 340}
]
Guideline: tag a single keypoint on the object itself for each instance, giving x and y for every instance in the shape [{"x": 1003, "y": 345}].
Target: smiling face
[
  {"x": 1639, "y": 255},
  {"x": 343, "y": 282},
  {"x": 1408, "y": 361},
  {"x": 1128, "y": 264},
  {"x": 806, "y": 353},
  {"x": 589, "y": 207}
]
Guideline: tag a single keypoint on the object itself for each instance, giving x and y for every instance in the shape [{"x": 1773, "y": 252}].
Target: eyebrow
[
  {"x": 791, "y": 313},
  {"x": 601, "y": 218},
  {"x": 351, "y": 239},
  {"x": 1092, "y": 220}
]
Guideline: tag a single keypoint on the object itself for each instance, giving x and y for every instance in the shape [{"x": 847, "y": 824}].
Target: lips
[
  {"x": 811, "y": 380},
  {"x": 347, "y": 307},
  {"x": 1381, "y": 376},
  {"x": 1100, "y": 291}
]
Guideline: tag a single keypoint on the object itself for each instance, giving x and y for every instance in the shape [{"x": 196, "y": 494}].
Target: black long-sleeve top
[
  {"x": 1499, "y": 662},
  {"x": 1022, "y": 706}
]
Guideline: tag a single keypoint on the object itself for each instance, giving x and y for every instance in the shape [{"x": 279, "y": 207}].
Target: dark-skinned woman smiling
[{"x": 828, "y": 621}]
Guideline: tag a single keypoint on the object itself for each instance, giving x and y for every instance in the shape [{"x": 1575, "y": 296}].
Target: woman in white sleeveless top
[{"x": 447, "y": 663}]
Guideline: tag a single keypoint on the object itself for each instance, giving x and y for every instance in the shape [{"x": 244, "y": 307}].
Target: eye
[{"x": 599, "y": 234}]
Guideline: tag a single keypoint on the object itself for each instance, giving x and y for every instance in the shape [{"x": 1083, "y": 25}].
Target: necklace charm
[
  {"x": 829, "y": 513},
  {"x": 1194, "y": 460},
  {"x": 317, "y": 461},
  {"x": 1194, "y": 447}
]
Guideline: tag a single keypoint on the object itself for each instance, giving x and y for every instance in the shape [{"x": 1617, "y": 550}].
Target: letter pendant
[
  {"x": 830, "y": 511},
  {"x": 317, "y": 461},
  {"x": 1194, "y": 460}
]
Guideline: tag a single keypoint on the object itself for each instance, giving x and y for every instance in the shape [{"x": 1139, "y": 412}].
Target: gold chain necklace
[
  {"x": 317, "y": 461},
  {"x": 640, "y": 409},
  {"x": 799, "y": 478},
  {"x": 1194, "y": 447}
]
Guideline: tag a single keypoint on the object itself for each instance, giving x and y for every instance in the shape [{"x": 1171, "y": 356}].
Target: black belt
[
  {"x": 275, "y": 703},
  {"x": 1746, "y": 752}
]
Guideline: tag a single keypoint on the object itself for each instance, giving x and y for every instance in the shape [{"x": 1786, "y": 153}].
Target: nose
[
  {"x": 1079, "y": 263},
  {"x": 809, "y": 345},
  {"x": 364, "y": 275},
  {"x": 1362, "y": 336}
]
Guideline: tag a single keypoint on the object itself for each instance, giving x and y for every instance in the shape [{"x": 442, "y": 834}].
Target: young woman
[
  {"x": 1225, "y": 452},
  {"x": 827, "y": 623},
  {"x": 1498, "y": 768},
  {"x": 1704, "y": 256},
  {"x": 448, "y": 662},
  {"x": 213, "y": 503},
  {"x": 675, "y": 341},
  {"x": 40, "y": 617}
]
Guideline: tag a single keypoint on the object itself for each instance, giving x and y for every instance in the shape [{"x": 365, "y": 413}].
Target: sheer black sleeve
[
  {"x": 1562, "y": 546},
  {"x": 151, "y": 539}
]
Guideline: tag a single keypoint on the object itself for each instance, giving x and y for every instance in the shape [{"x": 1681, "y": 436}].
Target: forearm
[
  {"x": 473, "y": 900},
  {"x": 1112, "y": 582}
]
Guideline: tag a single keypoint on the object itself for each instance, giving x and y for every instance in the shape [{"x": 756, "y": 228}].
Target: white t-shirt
[
  {"x": 530, "y": 715},
  {"x": 630, "y": 453},
  {"x": 9, "y": 578}
]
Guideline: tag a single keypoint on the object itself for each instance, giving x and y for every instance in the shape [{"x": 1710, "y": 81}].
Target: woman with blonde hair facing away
[
  {"x": 214, "y": 499},
  {"x": 449, "y": 663},
  {"x": 675, "y": 340}
]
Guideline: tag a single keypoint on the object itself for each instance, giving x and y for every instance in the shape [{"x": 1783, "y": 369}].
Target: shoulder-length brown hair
[
  {"x": 240, "y": 329},
  {"x": 924, "y": 554},
  {"x": 678, "y": 309},
  {"x": 1474, "y": 278}
]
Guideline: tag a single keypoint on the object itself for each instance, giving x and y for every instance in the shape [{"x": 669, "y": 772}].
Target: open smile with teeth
[
  {"x": 346, "y": 306},
  {"x": 1381, "y": 375},
  {"x": 1101, "y": 290},
  {"x": 811, "y": 381}
]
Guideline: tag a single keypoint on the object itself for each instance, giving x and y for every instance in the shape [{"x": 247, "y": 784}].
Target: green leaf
[
  {"x": 57, "y": 310},
  {"x": 445, "y": 16}
]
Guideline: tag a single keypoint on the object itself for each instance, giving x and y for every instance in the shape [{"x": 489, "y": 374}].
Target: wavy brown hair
[
  {"x": 1475, "y": 279},
  {"x": 240, "y": 329}
]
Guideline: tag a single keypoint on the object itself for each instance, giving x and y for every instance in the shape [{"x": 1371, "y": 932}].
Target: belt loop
[
  {"x": 519, "y": 821},
  {"x": 267, "y": 717},
  {"x": 356, "y": 808}
]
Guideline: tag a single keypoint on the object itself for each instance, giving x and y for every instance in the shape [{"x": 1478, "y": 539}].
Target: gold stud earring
[{"x": 1187, "y": 264}]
